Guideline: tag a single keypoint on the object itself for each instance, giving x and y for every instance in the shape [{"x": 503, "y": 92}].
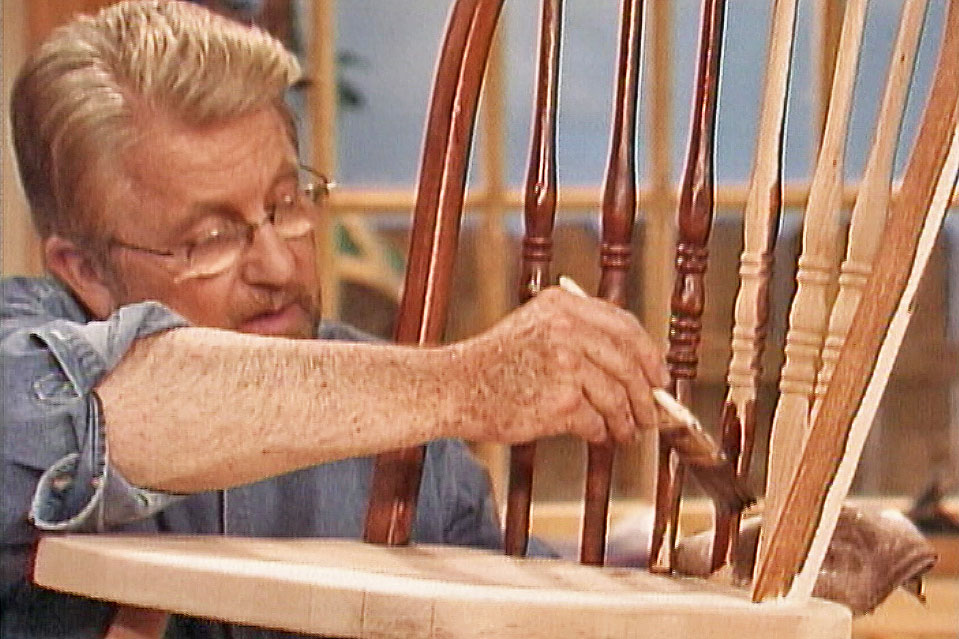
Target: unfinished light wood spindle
[
  {"x": 618, "y": 213},
  {"x": 800, "y": 535},
  {"x": 872, "y": 201},
  {"x": 439, "y": 204},
  {"x": 540, "y": 210},
  {"x": 694, "y": 220},
  {"x": 760, "y": 228},
  {"x": 818, "y": 263}
]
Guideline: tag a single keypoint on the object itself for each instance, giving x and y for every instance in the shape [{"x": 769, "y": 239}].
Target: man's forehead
[
  {"x": 185, "y": 147},
  {"x": 173, "y": 166}
]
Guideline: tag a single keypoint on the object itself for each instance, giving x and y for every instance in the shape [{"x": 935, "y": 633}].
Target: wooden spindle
[
  {"x": 694, "y": 219},
  {"x": 809, "y": 313},
  {"x": 801, "y": 533},
  {"x": 439, "y": 204},
  {"x": 540, "y": 209},
  {"x": 872, "y": 201},
  {"x": 760, "y": 228},
  {"x": 618, "y": 214}
]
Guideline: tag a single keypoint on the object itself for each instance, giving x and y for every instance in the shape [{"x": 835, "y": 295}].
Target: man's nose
[{"x": 268, "y": 260}]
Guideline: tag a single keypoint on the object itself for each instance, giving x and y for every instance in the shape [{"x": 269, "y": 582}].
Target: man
[{"x": 161, "y": 382}]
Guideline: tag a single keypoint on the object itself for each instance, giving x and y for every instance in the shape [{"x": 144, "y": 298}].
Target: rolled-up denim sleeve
[
  {"x": 83, "y": 492},
  {"x": 53, "y": 431}
]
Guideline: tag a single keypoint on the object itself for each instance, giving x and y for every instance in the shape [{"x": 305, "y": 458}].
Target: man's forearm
[{"x": 196, "y": 409}]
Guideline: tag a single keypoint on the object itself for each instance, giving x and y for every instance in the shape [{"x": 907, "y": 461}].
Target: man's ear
[{"x": 75, "y": 268}]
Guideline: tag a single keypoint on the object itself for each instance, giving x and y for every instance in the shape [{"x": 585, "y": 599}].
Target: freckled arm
[{"x": 197, "y": 409}]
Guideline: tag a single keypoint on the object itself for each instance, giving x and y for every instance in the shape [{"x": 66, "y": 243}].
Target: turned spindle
[
  {"x": 618, "y": 213},
  {"x": 540, "y": 211},
  {"x": 872, "y": 202},
  {"x": 760, "y": 229},
  {"x": 694, "y": 220},
  {"x": 817, "y": 272}
]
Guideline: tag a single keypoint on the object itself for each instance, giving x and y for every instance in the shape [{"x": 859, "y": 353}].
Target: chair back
[{"x": 823, "y": 395}]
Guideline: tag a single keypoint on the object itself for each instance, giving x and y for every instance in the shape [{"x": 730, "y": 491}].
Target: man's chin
[{"x": 292, "y": 321}]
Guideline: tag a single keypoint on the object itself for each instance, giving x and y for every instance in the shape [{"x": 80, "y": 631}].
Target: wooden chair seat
[{"x": 347, "y": 588}]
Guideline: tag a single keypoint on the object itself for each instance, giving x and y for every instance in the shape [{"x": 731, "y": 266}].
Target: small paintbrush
[{"x": 706, "y": 461}]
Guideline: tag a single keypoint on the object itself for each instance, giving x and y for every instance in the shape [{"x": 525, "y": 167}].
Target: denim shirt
[{"x": 57, "y": 474}]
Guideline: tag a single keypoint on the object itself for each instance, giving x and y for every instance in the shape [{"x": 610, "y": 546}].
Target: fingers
[
  {"x": 611, "y": 357},
  {"x": 603, "y": 404},
  {"x": 614, "y": 342},
  {"x": 583, "y": 421},
  {"x": 562, "y": 363},
  {"x": 610, "y": 401},
  {"x": 616, "y": 323}
]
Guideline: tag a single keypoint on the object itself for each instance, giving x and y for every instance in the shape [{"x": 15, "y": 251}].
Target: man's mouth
[{"x": 287, "y": 320}]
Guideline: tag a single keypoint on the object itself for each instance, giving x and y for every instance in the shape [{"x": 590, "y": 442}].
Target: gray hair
[{"x": 74, "y": 103}]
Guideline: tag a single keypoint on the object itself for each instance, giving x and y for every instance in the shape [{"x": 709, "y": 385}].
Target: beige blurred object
[{"x": 872, "y": 553}]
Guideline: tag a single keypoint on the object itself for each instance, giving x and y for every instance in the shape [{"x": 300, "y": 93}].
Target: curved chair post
[{"x": 439, "y": 205}]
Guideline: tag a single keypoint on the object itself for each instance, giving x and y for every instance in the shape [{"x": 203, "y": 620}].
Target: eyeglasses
[{"x": 293, "y": 212}]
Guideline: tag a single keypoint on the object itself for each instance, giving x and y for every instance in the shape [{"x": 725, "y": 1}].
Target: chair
[{"x": 387, "y": 588}]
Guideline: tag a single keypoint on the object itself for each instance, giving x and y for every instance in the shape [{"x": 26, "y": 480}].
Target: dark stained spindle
[
  {"x": 540, "y": 208},
  {"x": 694, "y": 220},
  {"x": 619, "y": 210},
  {"x": 439, "y": 204}
]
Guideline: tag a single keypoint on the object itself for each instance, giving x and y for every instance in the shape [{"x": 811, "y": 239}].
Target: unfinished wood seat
[
  {"x": 387, "y": 589},
  {"x": 346, "y": 588}
]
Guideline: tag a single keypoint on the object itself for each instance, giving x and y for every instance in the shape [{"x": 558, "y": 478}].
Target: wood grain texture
[
  {"x": 436, "y": 218},
  {"x": 349, "y": 589},
  {"x": 831, "y": 452},
  {"x": 809, "y": 313},
  {"x": 760, "y": 228},
  {"x": 540, "y": 211},
  {"x": 872, "y": 202},
  {"x": 694, "y": 221},
  {"x": 615, "y": 254}
]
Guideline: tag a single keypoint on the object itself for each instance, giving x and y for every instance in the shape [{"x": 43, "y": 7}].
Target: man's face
[{"x": 183, "y": 182}]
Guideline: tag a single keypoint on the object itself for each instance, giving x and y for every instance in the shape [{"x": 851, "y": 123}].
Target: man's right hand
[{"x": 560, "y": 364}]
